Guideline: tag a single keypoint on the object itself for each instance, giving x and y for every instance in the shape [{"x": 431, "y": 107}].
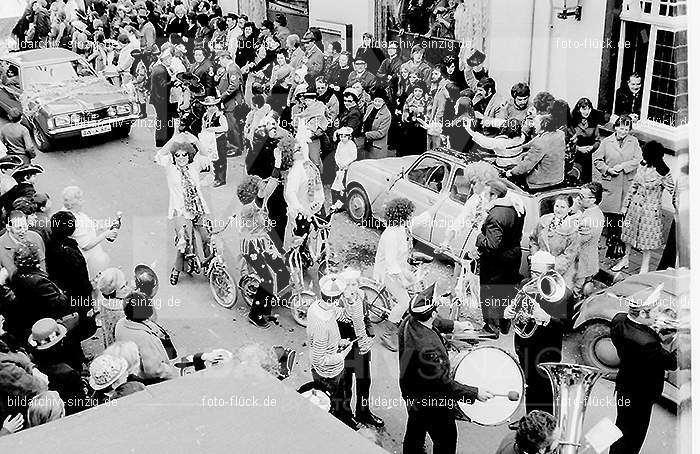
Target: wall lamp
[{"x": 567, "y": 8}]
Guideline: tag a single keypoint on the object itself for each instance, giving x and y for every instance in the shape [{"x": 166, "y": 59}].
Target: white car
[{"x": 424, "y": 179}]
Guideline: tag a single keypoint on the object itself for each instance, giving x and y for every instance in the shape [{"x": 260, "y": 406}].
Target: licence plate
[{"x": 96, "y": 130}]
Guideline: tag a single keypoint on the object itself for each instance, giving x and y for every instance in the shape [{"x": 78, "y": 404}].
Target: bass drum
[{"x": 494, "y": 369}]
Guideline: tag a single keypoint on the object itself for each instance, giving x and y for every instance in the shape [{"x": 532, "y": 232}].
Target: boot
[
  {"x": 390, "y": 338},
  {"x": 366, "y": 417}
]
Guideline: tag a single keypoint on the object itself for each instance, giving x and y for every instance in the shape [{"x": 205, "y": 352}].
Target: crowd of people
[{"x": 299, "y": 111}]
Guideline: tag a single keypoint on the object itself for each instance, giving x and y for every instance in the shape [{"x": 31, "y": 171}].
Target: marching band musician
[
  {"x": 537, "y": 432},
  {"x": 425, "y": 381},
  {"x": 354, "y": 323},
  {"x": 545, "y": 345},
  {"x": 644, "y": 356}
]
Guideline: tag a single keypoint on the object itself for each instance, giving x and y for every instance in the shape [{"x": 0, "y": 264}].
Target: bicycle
[
  {"x": 221, "y": 284},
  {"x": 463, "y": 294},
  {"x": 301, "y": 298},
  {"x": 380, "y": 301}
]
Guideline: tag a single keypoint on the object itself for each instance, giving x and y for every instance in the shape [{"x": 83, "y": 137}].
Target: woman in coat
[
  {"x": 584, "y": 131},
  {"x": 375, "y": 127},
  {"x": 556, "y": 233},
  {"x": 37, "y": 296},
  {"x": 66, "y": 266},
  {"x": 614, "y": 165},
  {"x": 642, "y": 227}
]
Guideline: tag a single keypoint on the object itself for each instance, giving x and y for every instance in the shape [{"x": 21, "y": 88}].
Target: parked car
[
  {"x": 423, "y": 179},
  {"x": 62, "y": 97},
  {"x": 595, "y": 313}
]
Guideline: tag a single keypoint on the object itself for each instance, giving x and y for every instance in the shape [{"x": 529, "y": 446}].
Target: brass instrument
[
  {"x": 571, "y": 386},
  {"x": 550, "y": 286},
  {"x": 666, "y": 323}
]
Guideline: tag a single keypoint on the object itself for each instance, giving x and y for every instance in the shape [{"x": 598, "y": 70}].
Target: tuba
[
  {"x": 550, "y": 286},
  {"x": 571, "y": 387}
]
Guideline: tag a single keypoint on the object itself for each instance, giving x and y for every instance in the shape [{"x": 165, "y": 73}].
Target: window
[
  {"x": 456, "y": 193},
  {"x": 653, "y": 43},
  {"x": 431, "y": 173},
  {"x": 56, "y": 73}
]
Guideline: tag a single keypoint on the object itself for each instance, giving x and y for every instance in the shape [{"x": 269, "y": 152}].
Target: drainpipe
[
  {"x": 550, "y": 30},
  {"x": 532, "y": 41}
]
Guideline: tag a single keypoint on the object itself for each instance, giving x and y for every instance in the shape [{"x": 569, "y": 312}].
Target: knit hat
[
  {"x": 105, "y": 370},
  {"x": 332, "y": 285},
  {"x": 110, "y": 280},
  {"x": 27, "y": 256}
]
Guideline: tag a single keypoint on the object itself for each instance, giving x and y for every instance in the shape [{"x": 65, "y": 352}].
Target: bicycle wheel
[
  {"x": 377, "y": 302},
  {"x": 299, "y": 304},
  {"x": 248, "y": 284},
  {"x": 222, "y": 287}
]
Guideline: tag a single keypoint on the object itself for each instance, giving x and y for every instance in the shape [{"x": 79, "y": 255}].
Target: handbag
[{"x": 164, "y": 338}]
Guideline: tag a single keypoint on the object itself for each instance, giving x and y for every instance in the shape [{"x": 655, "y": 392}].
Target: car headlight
[
  {"x": 75, "y": 118},
  {"x": 135, "y": 107},
  {"x": 111, "y": 111},
  {"x": 60, "y": 121},
  {"x": 124, "y": 109}
]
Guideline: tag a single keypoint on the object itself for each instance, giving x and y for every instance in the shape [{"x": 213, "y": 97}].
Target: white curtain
[
  {"x": 471, "y": 27},
  {"x": 256, "y": 10}
]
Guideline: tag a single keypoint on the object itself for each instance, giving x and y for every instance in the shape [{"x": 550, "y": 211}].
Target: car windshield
[{"x": 56, "y": 73}]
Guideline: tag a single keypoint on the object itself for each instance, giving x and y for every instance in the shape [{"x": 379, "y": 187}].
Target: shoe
[
  {"x": 621, "y": 265},
  {"x": 368, "y": 418},
  {"x": 264, "y": 325},
  {"x": 217, "y": 184},
  {"x": 390, "y": 338},
  {"x": 174, "y": 276},
  {"x": 349, "y": 421}
]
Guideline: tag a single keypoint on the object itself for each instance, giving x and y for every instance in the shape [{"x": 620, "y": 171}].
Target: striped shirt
[{"x": 324, "y": 337}]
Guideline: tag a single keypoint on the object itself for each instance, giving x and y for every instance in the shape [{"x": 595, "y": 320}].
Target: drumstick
[{"x": 512, "y": 395}]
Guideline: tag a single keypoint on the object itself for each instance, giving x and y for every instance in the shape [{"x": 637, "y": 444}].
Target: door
[{"x": 422, "y": 184}]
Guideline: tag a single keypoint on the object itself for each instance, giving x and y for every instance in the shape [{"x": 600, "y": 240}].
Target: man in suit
[
  {"x": 160, "y": 98},
  {"x": 645, "y": 355},
  {"x": 26, "y": 177},
  {"x": 17, "y": 233},
  {"x": 498, "y": 249},
  {"x": 313, "y": 56},
  {"x": 230, "y": 89},
  {"x": 425, "y": 381}
]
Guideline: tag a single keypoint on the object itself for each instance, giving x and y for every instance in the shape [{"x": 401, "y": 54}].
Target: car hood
[
  {"x": 390, "y": 166},
  {"x": 75, "y": 96},
  {"x": 608, "y": 302}
]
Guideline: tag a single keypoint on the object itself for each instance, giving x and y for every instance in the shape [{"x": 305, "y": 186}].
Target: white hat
[
  {"x": 332, "y": 285},
  {"x": 646, "y": 298},
  {"x": 105, "y": 370},
  {"x": 350, "y": 274},
  {"x": 541, "y": 262}
]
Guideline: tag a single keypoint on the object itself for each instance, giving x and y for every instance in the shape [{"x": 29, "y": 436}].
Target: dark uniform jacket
[
  {"x": 627, "y": 103},
  {"x": 642, "y": 358},
  {"x": 424, "y": 366},
  {"x": 499, "y": 244}
]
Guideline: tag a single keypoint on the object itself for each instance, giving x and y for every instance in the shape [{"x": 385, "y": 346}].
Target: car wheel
[
  {"x": 358, "y": 207},
  {"x": 598, "y": 350},
  {"x": 43, "y": 143}
]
